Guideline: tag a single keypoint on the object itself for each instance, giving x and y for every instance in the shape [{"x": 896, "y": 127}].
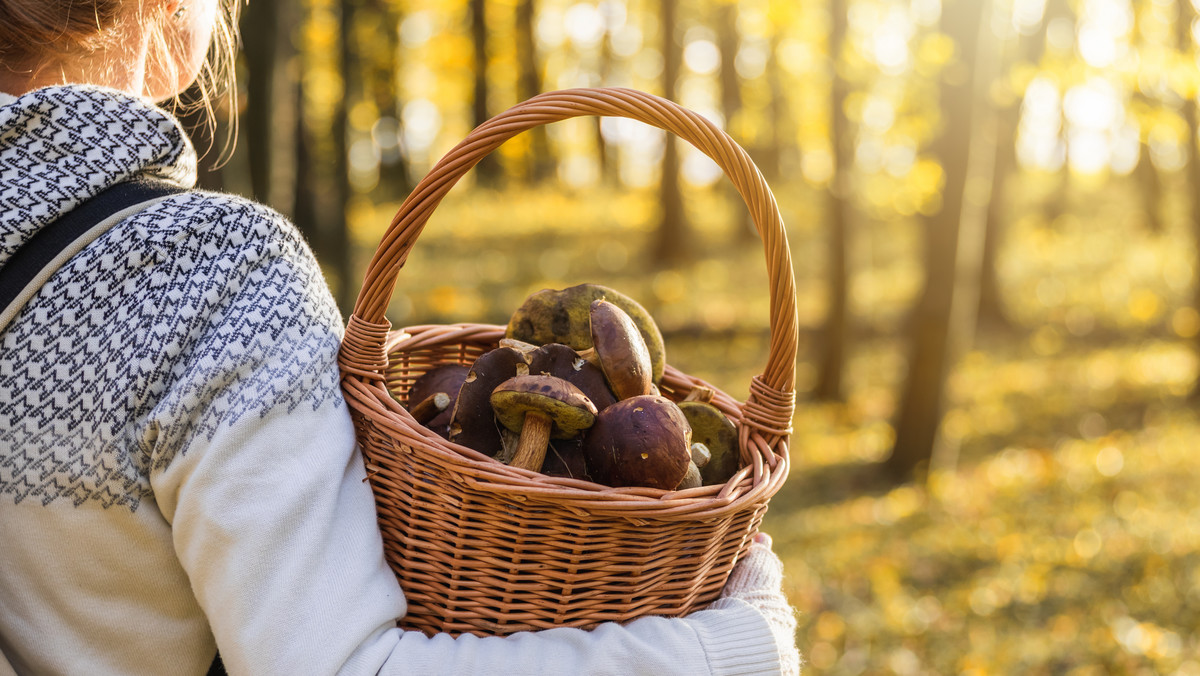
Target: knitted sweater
[{"x": 178, "y": 469}]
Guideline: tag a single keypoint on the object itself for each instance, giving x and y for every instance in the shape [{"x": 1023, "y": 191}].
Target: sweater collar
[{"x": 61, "y": 145}]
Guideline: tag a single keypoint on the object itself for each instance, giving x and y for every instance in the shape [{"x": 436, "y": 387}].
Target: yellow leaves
[
  {"x": 1184, "y": 77},
  {"x": 1185, "y": 322},
  {"x": 830, "y": 626},
  {"x": 1144, "y": 306},
  {"x": 935, "y": 50}
]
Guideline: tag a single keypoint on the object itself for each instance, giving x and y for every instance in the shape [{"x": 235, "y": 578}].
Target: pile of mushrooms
[{"x": 572, "y": 391}]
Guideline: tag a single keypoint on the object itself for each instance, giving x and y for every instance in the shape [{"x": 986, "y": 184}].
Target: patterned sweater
[{"x": 178, "y": 469}]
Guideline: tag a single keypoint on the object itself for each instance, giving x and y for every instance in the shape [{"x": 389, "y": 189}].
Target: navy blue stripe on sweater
[{"x": 45, "y": 245}]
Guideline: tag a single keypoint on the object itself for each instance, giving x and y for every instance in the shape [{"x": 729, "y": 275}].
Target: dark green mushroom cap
[
  {"x": 717, "y": 432},
  {"x": 563, "y": 316},
  {"x": 569, "y": 410}
]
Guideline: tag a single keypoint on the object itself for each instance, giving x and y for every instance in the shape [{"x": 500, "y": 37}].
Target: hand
[{"x": 757, "y": 579}]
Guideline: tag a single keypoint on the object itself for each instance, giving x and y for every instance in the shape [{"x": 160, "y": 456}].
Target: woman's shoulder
[{"x": 202, "y": 223}]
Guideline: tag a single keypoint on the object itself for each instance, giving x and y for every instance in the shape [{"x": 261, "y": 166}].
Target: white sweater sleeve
[{"x": 276, "y": 527}]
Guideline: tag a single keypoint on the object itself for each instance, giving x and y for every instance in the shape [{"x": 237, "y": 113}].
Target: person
[{"x": 178, "y": 470}]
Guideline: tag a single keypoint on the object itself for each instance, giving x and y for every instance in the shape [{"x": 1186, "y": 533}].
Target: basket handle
[{"x": 772, "y": 394}]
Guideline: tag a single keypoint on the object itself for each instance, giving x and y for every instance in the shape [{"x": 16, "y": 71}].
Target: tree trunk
[
  {"x": 306, "y": 209},
  {"x": 953, "y": 245},
  {"x": 539, "y": 164},
  {"x": 725, "y": 19},
  {"x": 1060, "y": 200},
  {"x": 394, "y": 177},
  {"x": 836, "y": 331},
  {"x": 992, "y": 315},
  {"x": 770, "y": 157},
  {"x": 338, "y": 255},
  {"x": 270, "y": 116},
  {"x": 671, "y": 246},
  {"x": 1149, "y": 182},
  {"x": 1183, "y": 24},
  {"x": 487, "y": 172},
  {"x": 607, "y": 163}
]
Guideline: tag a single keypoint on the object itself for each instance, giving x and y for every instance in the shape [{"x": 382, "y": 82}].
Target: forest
[{"x": 993, "y": 209}]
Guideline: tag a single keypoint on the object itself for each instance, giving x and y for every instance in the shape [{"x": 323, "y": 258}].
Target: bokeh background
[{"x": 993, "y": 208}]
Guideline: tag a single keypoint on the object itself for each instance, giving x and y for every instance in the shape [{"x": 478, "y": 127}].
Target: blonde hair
[
  {"x": 34, "y": 32},
  {"x": 216, "y": 80}
]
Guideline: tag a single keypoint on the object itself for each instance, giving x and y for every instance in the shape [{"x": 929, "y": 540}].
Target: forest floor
[{"x": 1062, "y": 536}]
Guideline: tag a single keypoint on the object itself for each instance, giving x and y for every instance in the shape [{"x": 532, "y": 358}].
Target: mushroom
[
  {"x": 691, "y": 479},
  {"x": 473, "y": 424},
  {"x": 700, "y": 458},
  {"x": 620, "y": 351},
  {"x": 429, "y": 407},
  {"x": 717, "y": 432},
  {"x": 444, "y": 378},
  {"x": 540, "y": 407},
  {"x": 563, "y": 316},
  {"x": 561, "y": 361},
  {"x": 564, "y": 458},
  {"x": 640, "y": 441}
]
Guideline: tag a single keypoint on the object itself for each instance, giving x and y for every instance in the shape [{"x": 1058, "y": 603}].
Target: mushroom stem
[
  {"x": 590, "y": 355},
  {"x": 700, "y": 393},
  {"x": 535, "y": 436},
  {"x": 521, "y": 346},
  {"x": 430, "y": 406}
]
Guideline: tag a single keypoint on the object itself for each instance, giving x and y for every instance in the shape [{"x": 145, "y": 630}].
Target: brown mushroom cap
[
  {"x": 717, "y": 432},
  {"x": 563, "y": 316},
  {"x": 620, "y": 350},
  {"x": 569, "y": 410},
  {"x": 446, "y": 378},
  {"x": 561, "y": 361},
  {"x": 640, "y": 441},
  {"x": 564, "y": 458},
  {"x": 473, "y": 423}
]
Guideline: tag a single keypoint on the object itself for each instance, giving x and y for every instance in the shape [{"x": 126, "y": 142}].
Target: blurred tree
[
  {"x": 487, "y": 172},
  {"x": 1149, "y": 182},
  {"x": 380, "y": 44},
  {"x": 335, "y": 237},
  {"x": 770, "y": 157},
  {"x": 992, "y": 315},
  {"x": 1060, "y": 11},
  {"x": 539, "y": 162},
  {"x": 725, "y": 20},
  {"x": 836, "y": 333},
  {"x": 306, "y": 208},
  {"x": 270, "y": 116},
  {"x": 671, "y": 244},
  {"x": 936, "y": 324},
  {"x": 1185, "y": 19},
  {"x": 609, "y": 174}
]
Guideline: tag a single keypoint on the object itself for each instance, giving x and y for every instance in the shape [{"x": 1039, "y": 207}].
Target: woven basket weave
[{"x": 483, "y": 548}]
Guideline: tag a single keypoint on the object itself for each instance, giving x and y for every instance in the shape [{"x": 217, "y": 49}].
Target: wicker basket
[{"x": 483, "y": 548}]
